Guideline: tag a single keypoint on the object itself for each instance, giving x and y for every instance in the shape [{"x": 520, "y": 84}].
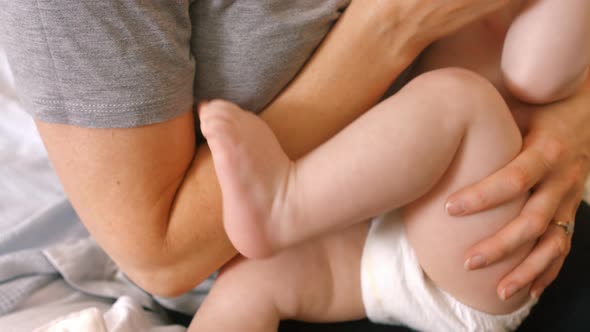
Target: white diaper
[{"x": 396, "y": 291}]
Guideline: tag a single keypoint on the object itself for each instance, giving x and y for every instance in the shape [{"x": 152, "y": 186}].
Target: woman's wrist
[
  {"x": 348, "y": 74},
  {"x": 398, "y": 32},
  {"x": 396, "y": 36},
  {"x": 410, "y": 26}
]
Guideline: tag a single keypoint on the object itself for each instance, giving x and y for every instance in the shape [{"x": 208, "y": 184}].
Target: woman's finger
[
  {"x": 555, "y": 245},
  {"x": 543, "y": 265},
  {"x": 546, "y": 278},
  {"x": 570, "y": 204},
  {"x": 513, "y": 180},
  {"x": 527, "y": 227},
  {"x": 566, "y": 212},
  {"x": 552, "y": 247}
]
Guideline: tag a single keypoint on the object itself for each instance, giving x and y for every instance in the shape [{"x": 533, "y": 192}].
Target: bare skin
[{"x": 555, "y": 34}]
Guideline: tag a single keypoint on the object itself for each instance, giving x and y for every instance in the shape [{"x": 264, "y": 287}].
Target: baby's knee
[
  {"x": 462, "y": 93},
  {"x": 470, "y": 99},
  {"x": 456, "y": 82}
]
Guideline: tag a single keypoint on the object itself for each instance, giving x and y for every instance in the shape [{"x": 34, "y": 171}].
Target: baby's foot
[{"x": 253, "y": 172}]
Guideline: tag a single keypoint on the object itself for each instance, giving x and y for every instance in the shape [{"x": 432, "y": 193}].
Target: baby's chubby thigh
[{"x": 439, "y": 241}]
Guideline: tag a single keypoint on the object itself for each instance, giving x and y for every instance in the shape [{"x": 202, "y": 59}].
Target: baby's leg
[
  {"x": 547, "y": 50},
  {"x": 317, "y": 281},
  {"x": 440, "y": 241},
  {"x": 389, "y": 157}
]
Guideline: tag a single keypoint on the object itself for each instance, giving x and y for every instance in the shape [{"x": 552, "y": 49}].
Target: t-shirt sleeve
[{"x": 101, "y": 64}]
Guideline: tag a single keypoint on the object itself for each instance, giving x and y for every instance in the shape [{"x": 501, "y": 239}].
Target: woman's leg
[{"x": 316, "y": 281}]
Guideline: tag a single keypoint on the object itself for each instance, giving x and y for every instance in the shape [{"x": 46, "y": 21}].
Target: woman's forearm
[
  {"x": 349, "y": 73},
  {"x": 352, "y": 69}
]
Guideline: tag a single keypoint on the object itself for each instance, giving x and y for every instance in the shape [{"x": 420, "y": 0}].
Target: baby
[{"x": 447, "y": 128}]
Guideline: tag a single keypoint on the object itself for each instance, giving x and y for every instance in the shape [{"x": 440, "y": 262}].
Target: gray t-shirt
[{"x": 130, "y": 63}]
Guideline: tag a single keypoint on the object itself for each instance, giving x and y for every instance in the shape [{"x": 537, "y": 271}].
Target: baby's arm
[{"x": 547, "y": 50}]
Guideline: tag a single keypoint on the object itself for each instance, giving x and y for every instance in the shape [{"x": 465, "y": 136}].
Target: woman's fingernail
[
  {"x": 455, "y": 208},
  {"x": 475, "y": 262},
  {"x": 508, "y": 291},
  {"x": 536, "y": 294}
]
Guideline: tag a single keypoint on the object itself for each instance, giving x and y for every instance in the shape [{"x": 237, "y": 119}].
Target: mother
[{"x": 112, "y": 84}]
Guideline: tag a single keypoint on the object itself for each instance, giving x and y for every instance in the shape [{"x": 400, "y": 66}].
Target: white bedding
[{"x": 21, "y": 158}]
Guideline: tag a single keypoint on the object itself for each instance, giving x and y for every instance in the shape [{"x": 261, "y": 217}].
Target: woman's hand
[
  {"x": 425, "y": 21},
  {"x": 554, "y": 165}
]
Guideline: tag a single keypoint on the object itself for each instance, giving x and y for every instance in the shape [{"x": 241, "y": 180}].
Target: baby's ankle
[{"x": 283, "y": 228}]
